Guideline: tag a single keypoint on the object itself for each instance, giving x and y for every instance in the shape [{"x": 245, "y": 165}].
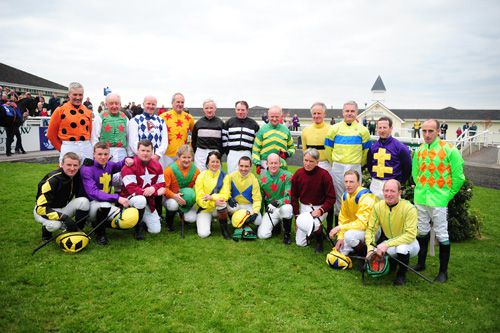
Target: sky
[{"x": 429, "y": 53}]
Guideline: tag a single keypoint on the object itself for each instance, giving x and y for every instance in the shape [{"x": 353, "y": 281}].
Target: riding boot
[
  {"x": 423, "y": 242},
  {"x": 46, "y": 235},
  {"x": 319, "y": 241},
  {"x": 402, "y": 269},
  {"x": 329, "y": 221},
  {"x": 360, "y": 249},
  {"x": 81, "y": 217},
  {"x": 169, "y": 220},
  {"x": 139, "y": 227},
  {"x": 444, "y": 258},
  {"x": 276, "y": 230},
  {"x": 159, "y": 206},
  {"x": 287, "y": 226},
  {"x": 101, "y": 215},
  {"x": 222, "y": 215}
]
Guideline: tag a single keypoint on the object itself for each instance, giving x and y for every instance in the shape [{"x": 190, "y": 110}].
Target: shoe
[
  {"x": 442, "y": 277},
  {"x": 139, "y": 231},
  {"x": 399, "y": 281},
  {"x": 223, "y": 229},
  {"x": 287, "y": 240},
  {"x": 102, "y": 239},
  {"x": 8, "y": 153},
  {"x": 169, "y": 221}
]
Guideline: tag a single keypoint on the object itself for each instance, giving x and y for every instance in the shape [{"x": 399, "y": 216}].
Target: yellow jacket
[
  {"x": 347, "y": 144},
  {"x": 205, "y": 183},
  {"x": 314, "y": 137},
  {"x": 399, "y": 224},
  {"x": 245, "y": 190},
  {"x": 355, "y": 210}
]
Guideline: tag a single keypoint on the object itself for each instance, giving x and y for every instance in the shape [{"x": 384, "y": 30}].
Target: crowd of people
[{"x": 119, "y": 171}]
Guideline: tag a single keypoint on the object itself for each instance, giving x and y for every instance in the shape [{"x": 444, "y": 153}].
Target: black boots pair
[{"x": 444, "y": 257}]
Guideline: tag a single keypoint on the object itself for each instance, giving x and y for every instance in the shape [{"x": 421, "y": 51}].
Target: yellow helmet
[
  {"x": 337, "y": 260},
  {"x": 239, "y": 218},
  {"x": 73, "y": 242},
  {"x": 126, "y": 219}
]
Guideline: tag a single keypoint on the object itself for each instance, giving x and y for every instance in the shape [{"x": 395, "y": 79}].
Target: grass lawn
[{"x": 169, "y": 284}]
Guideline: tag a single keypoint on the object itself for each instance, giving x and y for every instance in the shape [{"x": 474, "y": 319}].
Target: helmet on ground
[
  {"x": 189, "y": 196},
  {"x": 72, "y": 242},
  {"x": 248, "y": 234},
  {"x": 305, "y": 222},
  {"x": 126, "y": 219},
  {"x": 377, "y": 266},
  {"x": 337, "y": 260},
  {"x": 240, "y": 217}
]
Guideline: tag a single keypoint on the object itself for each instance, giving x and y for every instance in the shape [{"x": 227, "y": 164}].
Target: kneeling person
[
  {"x": 180, "y": 177},
  {"x": 275, "y": 185},
  {"x": 398, "y": 220},
  {"x": 57, "y": 202},
  {"x": 145, "y": 181},
  {"x": 356, "y": 207}
]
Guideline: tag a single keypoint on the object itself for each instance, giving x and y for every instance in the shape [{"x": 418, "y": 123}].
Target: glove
[
  {"x": 232, "y": 203},
  {"x": 275, "y": 203},
  {"x": 283, "y": 154},
  {"x": 271, "y": 208},
  {"x": 252, "y": 218},
  {"x": 88, "y": 162},
  {"x": 258, "y": 169},
  {"x": 68, "y": 223}
]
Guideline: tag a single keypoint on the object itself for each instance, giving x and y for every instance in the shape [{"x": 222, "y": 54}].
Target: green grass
[{"x": 166, "y": 283}]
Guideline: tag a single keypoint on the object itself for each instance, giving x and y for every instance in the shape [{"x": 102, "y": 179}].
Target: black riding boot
[
  {"x": 169, "y": 221},
  {"x": 423, "y": 242},
  {"x": 401, "y": 274},
  {"x": 287, "y": 226},
  {"x": 46, "y": 235},
  {"x": 444, "y": 258},
  {"x": 319, "y": 241},
  {"x": 139, "y": 227},
  {"x": 81, "y": 217},
  {"x": 101, "y": 215},
  {"x": 222, "y": 215},
  {"x": 329, "y": 221}
]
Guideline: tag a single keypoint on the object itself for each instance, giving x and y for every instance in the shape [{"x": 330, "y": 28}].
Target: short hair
[
  {"x": 323, "y": 106},
  {"x": 241, "y": 102},
  {"x": 436, "y": 122},
  {"x": 351, "y": 103},
  {"x": 353, "y": 172},
  {"x": 101, "y": 145},
  {"x": 385, "y": 119},
  {"x": 145, "y": 143},
  {"x": 209, "y": 101},
  {"x": 185, "y": 148},
  {"x": 177, "y": 94},
  {"x": 393, "y": 180},
  {"x": 313, "y": 152},
  {"x": 72, "y": 156},
  {"x": 108, "y": 96},
  {"x": 212, "y": 153},
  {"x": 74, "y": 85},
  {"x": 245, "y": 158}
]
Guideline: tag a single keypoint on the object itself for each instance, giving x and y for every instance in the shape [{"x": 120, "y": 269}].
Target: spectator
[
  {"x": 88, "y": 103},
  {"x": 444, "y": 128},
  {"x": 295, "y": 122},
  {"x": 54, "y": 102}
]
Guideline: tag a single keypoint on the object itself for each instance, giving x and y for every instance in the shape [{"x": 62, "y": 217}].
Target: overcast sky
[{"x": 429, "y": 53}]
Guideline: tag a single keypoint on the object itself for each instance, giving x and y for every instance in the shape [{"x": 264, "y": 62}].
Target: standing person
[
  {"x": 416, "y": 128},
  {"x": 180, "y": 177},
  {"x": 245, "y": 190},
  {"x": 272, "y": 138},
  {"x": 88, "y": 103},
  {"x": 70, "y": 125},
  {"x": 438, "y": 174},
  {"x": 356, "y": 207},
  {"x": 313, "y": 196},
  {"x": 239, "y": 135},
  {"x": 59, "y": 198},
  {"x": 54, "y": 102},
  {"x": 207, "y": 135},
  {"x": 346, "y": 147},
  {"x": 211, "y": 196},
  {"x": 398, "y": 220},
  {"x": 96, "y": 180},
  {"x": 387, "y": 158},
  {"x": 295, "y": 122},
  {"x": 275, "y": 185},
  {"x": 179, "y": 124},
  {"x": 458, "y": 132},
  {"x": 145, "y": 180},
  {"x": 443, "y": 128},
  {"x": 372, "y": 126},
  {"x": 473, "y": 129},
  {"x": 314, "y": 137}
]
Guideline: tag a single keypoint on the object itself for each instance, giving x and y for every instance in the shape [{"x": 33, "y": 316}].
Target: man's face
[
  {"x": 70, "y": 166},
  {"x": 383, "y": 129},
  {"x": 318, "y": 115},
  {"x": 351, "y": 183},
  {"x": 185, "y": 160},
  {"x": 101, "y": 156},
  {"x": 209, "y": 110},
  {"x": 241, "y": 111},
  {"x": 274, "y": 115},
  {"x": 244, "y": 167},
  {"x": 76, "y": 96},
  {"x": 309, "y": 162},
  {"x": 273, "y": 164},
  {"x": 150, "y": 105},
  {"x": 145, "y": 153},
  {"x": 349, "y": 112},
  {"x": 113, "y": 104},
  {"x": 429, "y": 131},
  {"x": 391, "y": 193},
  {"x": 178, "y": 103}
]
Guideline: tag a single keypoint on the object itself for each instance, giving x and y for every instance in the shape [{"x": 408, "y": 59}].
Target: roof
[
  {"x": 378, "y": 85},
  {"x": 257, "y": 112},
  {"x": 13, "y": 75}
]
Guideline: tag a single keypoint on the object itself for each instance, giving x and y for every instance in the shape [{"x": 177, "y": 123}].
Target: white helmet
[{"x": 305, "y": 222}]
